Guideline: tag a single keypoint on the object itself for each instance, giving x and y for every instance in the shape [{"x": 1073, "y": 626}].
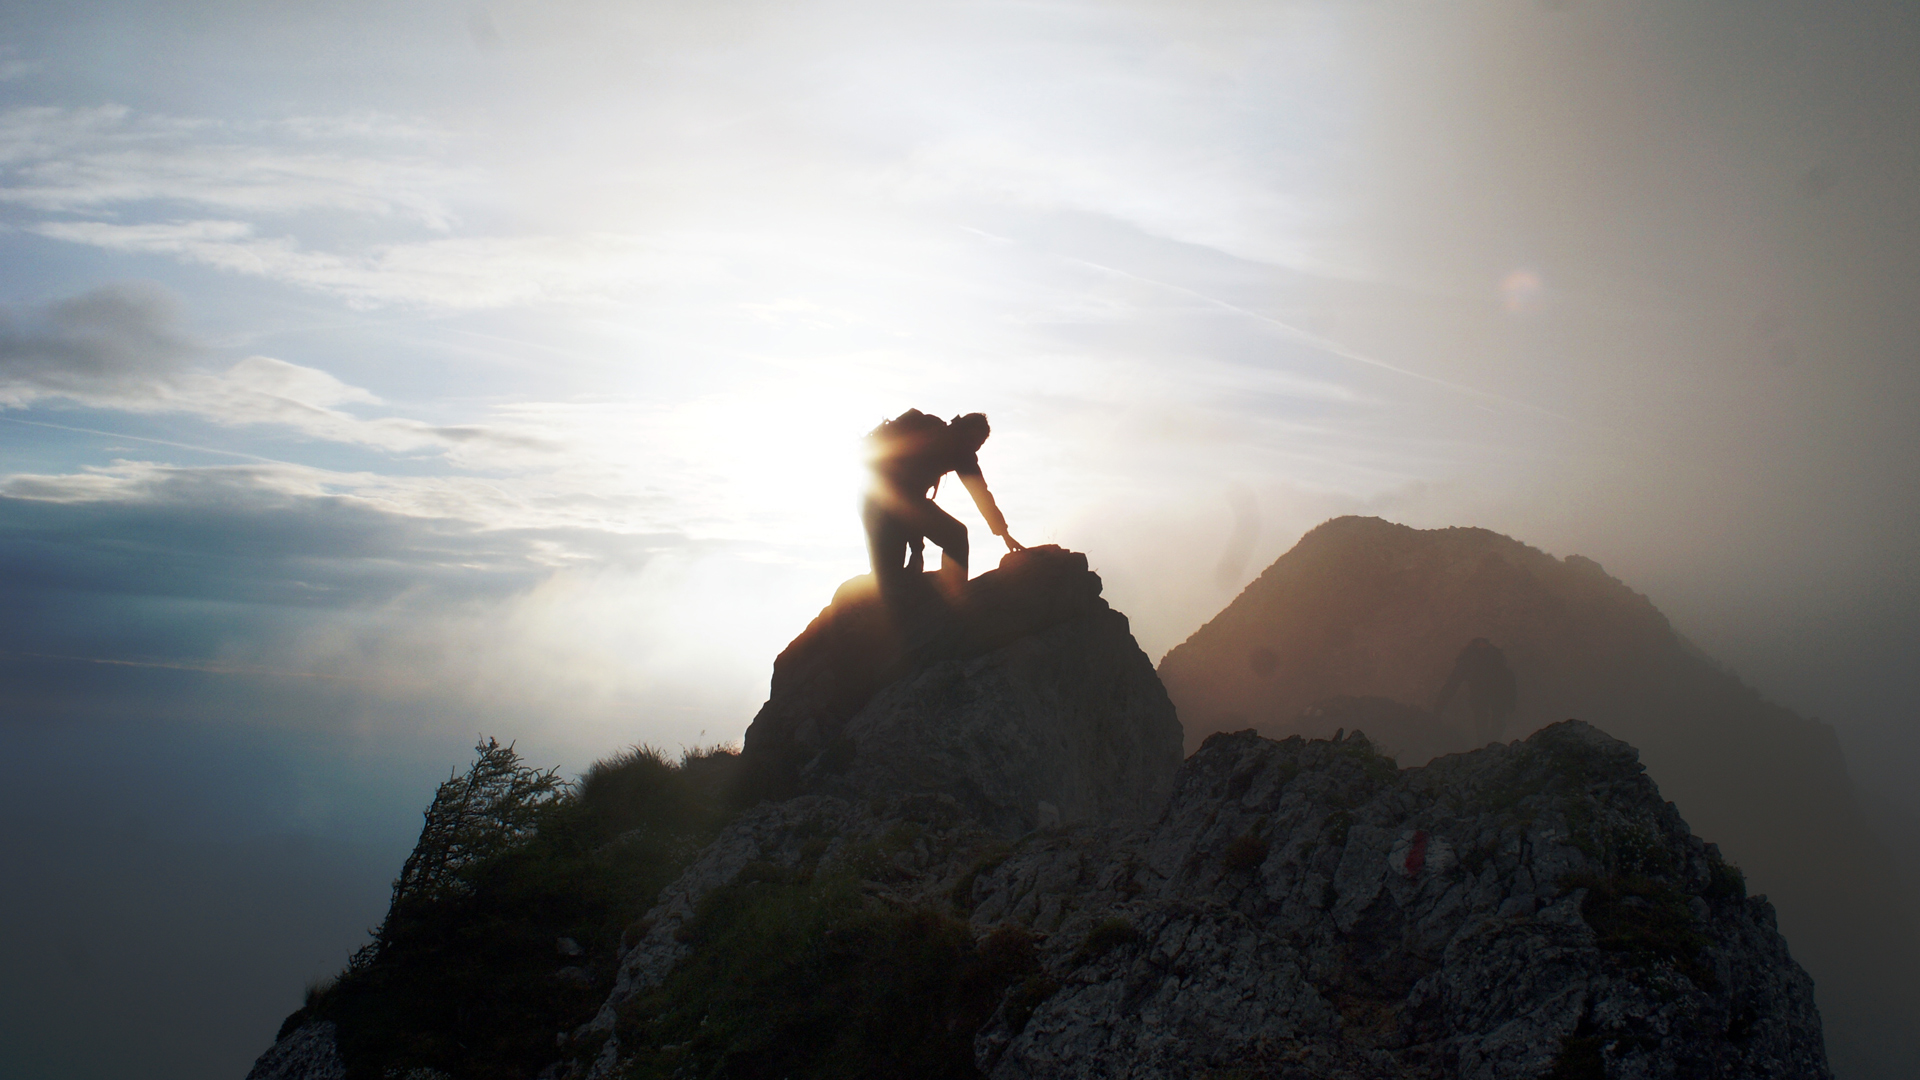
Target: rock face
[
  {"x": 1291, "y": 909},
  {"x": 308, "y": 1052},
  {"x": 1024, "y": 698},
  {"x": 1308, "y": 910},
  {"x": 1372, "y": 613}
]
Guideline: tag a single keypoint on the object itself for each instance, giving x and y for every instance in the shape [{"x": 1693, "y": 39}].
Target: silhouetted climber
[
  {"x": 1490, "y": 689},
  {"x": 909, "y": 455}
]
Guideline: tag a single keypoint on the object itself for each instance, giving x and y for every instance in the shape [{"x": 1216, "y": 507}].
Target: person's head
[{"x": 971, "y": 430}]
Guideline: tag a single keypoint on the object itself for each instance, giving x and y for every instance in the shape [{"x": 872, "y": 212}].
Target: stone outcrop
[
  {"x": 1000, "y": 766},
  {"x": 1305, "y": 909},
  {"x": 1298, "y": 909},
  {"x": 1023, "y": 697},
  {"x": 308, "y": 1052},
  {"x": 1371, "y": 613},
  {"x": 1309, "y": 910}
]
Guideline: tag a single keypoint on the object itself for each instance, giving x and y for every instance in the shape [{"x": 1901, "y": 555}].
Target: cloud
[
  {"x": 396, "y": 499},
  {"x": 458, "y": 273},
  {"x": 60, "y": 159},
  {"x": 111, "y": 341},
  {"x": 122, "y": 347},
  {"x": 231, "y": 574}
]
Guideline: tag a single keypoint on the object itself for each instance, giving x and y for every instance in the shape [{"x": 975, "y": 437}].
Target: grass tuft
[{"x": 460, "y": 978}]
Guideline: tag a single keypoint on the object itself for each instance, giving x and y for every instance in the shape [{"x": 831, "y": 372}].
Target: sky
[{"x": 377, "y": 377}]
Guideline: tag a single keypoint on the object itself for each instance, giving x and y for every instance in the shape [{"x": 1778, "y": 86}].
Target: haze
[{"x": 371, "y": 379}]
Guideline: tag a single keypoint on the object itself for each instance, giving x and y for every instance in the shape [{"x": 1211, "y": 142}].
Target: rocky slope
[
  {"x": 980, "y": 854},
  {"x": 1025, "y": 698},
  {"x": 1359, "y": 624},
  {"x": 1307, "y": 910},
  {"x": 1298, "y": 909}
]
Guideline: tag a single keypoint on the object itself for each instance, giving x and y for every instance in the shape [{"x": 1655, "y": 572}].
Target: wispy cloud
[
  {"x": 453, "y": 273},
  {"x": 64, "y": 159},
  {"x": 121, "y": 347}
]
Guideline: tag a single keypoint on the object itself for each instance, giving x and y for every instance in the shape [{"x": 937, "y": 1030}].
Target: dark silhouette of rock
[
  {"x": 1362, "y": 608},
  {"x": 1023, "y": 696},
  {"x": 308, "y": 1052},
  {"x": 1307, "y": 910},
  {"x": 1407, "y": 732},
  {"x": 990, "y": 781}
]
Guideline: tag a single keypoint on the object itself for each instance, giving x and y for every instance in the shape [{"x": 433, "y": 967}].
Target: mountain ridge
[
  {"x": 1365, "y": 608},
  {"x": 967, "y": 846}
]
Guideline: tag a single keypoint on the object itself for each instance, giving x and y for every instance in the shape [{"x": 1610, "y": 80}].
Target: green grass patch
[
  {"x": 812, "y": 978},
  {"x": 1726, "y": 881},
  {"x": 461, "y": 975},
  {"x": 1579, "y": 1059},
  {"x": 1246, "y": 852},
  {"x": 1106, "y": 936},
  {"x": 1647, "y": 922},
  {"x": 962, "y": 893},
  {"x": 1338, "y": 824}
]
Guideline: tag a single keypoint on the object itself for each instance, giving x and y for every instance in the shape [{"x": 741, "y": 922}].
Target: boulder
[
  {"x": 307, "y": 1052},
  {"x": 1307, "y": 909},
  {"x": 1023, "y": 696}
]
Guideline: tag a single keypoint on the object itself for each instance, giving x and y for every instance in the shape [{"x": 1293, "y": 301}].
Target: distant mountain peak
[{"x": 1361, "y": 621}]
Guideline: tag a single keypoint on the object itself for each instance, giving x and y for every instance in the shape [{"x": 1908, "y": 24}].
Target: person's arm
[{"x": 982, "y": 498}]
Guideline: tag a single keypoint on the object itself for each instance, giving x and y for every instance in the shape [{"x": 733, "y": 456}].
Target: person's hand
[{"x": 1012, "y": 544}]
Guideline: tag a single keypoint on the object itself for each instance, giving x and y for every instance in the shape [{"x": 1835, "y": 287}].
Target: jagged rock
[
  {"x": 1309, "y": 911},
  {"x": 1023, "y": 697},
  {"x": 308, "y": 1052},
  {"x": 1366, "y": 609},
  {"x": 1405, "y": 732},
  {"x": 814, "y": 833},
  {"x": 1304, "y": 909}
]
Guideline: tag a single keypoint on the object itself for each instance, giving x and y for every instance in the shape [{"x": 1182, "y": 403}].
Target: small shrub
[
  {"x": 1026, "y": 998},
  {"x": 1011, "y": 948},
  {"x": 1246, "y": 852},
  {"x": 1740, "y": 1025},
  {"x": 1580, "y": 1058},
  {"x": 1726, "y": 881},
  {"x": 962, "y": 893},
  {"x": 812, "y": 979},
  {"x": 1647, "y": 922},
  {"x": 1338, "y": 824},
  {"x": 458, "y": 979},
  {"x": 1106, "y": 936}
]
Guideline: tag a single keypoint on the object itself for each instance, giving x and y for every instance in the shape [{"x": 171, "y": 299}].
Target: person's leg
[
  {"x": 945, "y": 530},
  {"x": 886, "y": 539}
]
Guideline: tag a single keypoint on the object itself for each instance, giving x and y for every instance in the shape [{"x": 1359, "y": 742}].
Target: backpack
[
  {"x": 910, "y": 434},
  {"x": 904, "y": 434}
]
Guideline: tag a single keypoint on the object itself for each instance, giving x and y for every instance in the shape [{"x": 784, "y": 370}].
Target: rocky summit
[
  {"x": 1290, "y": 908},
  {"x": 1023, "y": 696},
  {"x": 975, "y": 852},
  {"x": 1358, "y": 625},
  {"x": 1309, "y": 910}
]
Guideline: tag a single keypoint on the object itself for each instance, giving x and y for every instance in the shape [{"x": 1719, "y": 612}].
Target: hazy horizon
[{"x": 372, "y": 380}]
